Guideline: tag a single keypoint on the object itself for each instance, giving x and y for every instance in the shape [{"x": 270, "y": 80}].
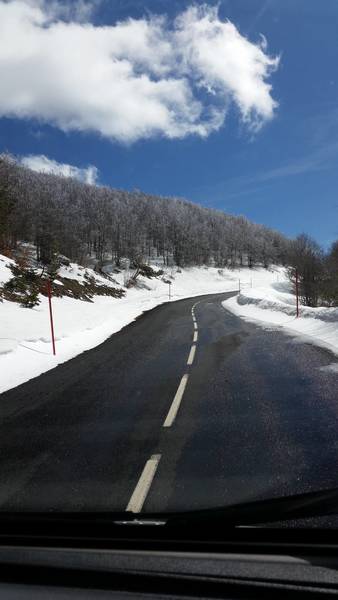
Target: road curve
[{"x": 187, "y": 407}]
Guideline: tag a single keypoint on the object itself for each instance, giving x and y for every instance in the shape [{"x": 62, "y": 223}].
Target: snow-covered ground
[
  {"x": 25, "y": 345},
  {"x": 271, "y": 303},
  {"x": 265, "y": 298}
]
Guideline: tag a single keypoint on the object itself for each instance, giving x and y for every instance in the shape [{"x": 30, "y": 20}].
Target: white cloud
[
  {"x": 132, "y": 80},
  {"x": 43, "y": 164},
  {"x": 79, "y": 11},
  {"x": 226, "y": 63},
  {"x": 76, "y": 10}
]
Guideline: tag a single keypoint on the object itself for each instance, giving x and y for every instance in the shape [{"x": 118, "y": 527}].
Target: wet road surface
[{"x": 130, "y": 423}]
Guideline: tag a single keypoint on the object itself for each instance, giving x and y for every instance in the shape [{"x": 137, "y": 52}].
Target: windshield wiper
[
  {"x": 287, "y": 508},
  {"x": 105, "y": 524}
]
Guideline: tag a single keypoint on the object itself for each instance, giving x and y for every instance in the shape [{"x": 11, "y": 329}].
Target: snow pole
[
  {"x": 169, "y": 283},
  {"x": 49, "y": 292},
  {"x": 239, "y": 286},
  {"x": 297, "y": 294}
]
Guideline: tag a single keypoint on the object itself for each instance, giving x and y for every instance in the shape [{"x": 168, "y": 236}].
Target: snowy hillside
[{"x": 25, "y": 345}]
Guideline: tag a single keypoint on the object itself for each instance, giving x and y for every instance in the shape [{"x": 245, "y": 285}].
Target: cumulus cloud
[
  {"x": 134, "y": 79},
  {"x": 43, "y": 164},
  {"x": 74, "y": 10},
  {"x": 226, "y": 63},
  {"x": 79, "y": 11}
]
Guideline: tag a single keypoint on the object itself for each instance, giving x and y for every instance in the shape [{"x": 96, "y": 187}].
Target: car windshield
[{"x": 168, "y": 253}]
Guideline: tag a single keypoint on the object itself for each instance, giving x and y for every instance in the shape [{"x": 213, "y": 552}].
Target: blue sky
[{"x": 284, "y": 175}]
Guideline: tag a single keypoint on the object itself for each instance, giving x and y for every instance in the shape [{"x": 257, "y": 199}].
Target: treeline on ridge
[{"x": 63, "y": 215}]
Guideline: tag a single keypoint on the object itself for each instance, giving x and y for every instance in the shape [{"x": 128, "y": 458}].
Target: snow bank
[
  {"x": 271, "y": 303},
  {"x": 25, "y": 348}
]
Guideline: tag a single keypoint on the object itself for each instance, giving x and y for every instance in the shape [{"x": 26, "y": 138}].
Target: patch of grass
[
  {"x": 147, "y": 271},
  {"x": 26, "y": 285},
  {"x": 83, "y": 291}
]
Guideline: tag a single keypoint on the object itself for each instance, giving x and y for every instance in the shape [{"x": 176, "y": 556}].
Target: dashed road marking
[
  {"x": 170, "y": 418},
  {"x": 176, "y": 402},
  {"x": 142, "y": 488},
  {"x": 191, "y": 354},
  {"x": 143, "y": 485}
]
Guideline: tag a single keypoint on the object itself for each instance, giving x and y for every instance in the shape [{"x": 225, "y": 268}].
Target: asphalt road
[{"x": 258, "y": 417}]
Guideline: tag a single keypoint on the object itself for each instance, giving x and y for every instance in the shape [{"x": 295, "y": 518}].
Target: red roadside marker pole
[
  {"x": 297, "y": 293},
  {"x": 49, "y": 291}
]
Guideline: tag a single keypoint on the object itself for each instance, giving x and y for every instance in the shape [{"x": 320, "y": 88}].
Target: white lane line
[
  {"x": 195, "y": 326},
  {"x": 195, "y": 338},
  {"x": 143, "y": 485},
  {"x": 191, "y": 354},
  {"x": 176, "y": 402}
]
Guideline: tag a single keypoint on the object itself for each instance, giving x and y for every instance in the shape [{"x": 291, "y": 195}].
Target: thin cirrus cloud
[
  {"x": 43, "y": 164},
  {"x": 132, "y": 80},
  {"x": 322, "y": 158}
]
